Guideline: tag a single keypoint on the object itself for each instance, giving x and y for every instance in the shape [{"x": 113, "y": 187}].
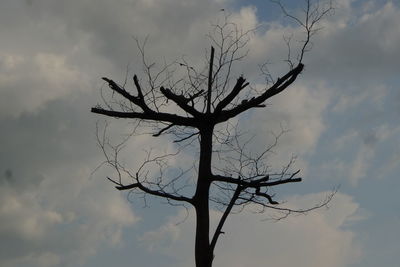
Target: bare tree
[{"x": 196, "y": 110}]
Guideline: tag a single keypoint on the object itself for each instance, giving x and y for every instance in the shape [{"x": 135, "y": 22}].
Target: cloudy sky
[{"x": 343, "y": 115}]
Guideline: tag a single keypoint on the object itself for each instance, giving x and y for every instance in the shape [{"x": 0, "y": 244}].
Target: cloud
[
  {"x": 40, "y": 229},
  {"x": 359, "y": 168},
  {"x": 52, "y": 56},
  {"x": 374, "y": 95},
  {"x": 319, "y": 238},
  {"x": 358, "y": 44},
  {"x": 300, "y": 111},
  {"x": 28, "y": 82},
  {"x": 52, "y": 213},
  {"x": 360, "y": 153}
]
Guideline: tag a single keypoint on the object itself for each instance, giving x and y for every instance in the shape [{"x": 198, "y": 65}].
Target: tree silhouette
[{"x": 192, "y": 109}]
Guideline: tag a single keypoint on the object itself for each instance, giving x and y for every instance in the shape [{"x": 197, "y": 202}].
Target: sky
[{"x": 58, "y": 209}]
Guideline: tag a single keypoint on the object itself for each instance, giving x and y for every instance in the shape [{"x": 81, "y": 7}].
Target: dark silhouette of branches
[{"x": 194, "y": 108}]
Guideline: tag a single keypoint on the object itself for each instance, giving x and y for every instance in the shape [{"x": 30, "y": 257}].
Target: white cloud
[
  {"x": 27, "y": 82},
  {"x": 246, "y": 18}
]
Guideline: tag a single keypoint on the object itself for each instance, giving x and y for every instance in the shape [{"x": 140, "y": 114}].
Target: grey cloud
[
  {"x": 110, "y": 26},
  {"x": 52, "y": 47},
  {"x": 51, "y": 211},
  {"x": 361, "y": 47},
  {"x": 54, "y": 135}
]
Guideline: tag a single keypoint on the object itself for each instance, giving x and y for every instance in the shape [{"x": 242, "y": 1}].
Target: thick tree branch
[
  {"x": 270, "y": 200},
  {"x": 137, "y": 100},
  {"x": 138, "y": 87},
  {"x": 227, "y": 211},
  {"x": 240, "y": 85},
  {"x": 151, "y": 116},
  {"x": 280, "y": 85},
  {"x": 255, "y": 183},
  {"x": 180, "y": 100}
]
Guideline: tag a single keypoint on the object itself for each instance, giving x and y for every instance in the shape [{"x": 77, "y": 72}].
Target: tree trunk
[{"x": 203, "y": 253}]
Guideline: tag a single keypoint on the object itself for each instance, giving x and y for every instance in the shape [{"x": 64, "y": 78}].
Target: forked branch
[{"x": 280, "y": 85}]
